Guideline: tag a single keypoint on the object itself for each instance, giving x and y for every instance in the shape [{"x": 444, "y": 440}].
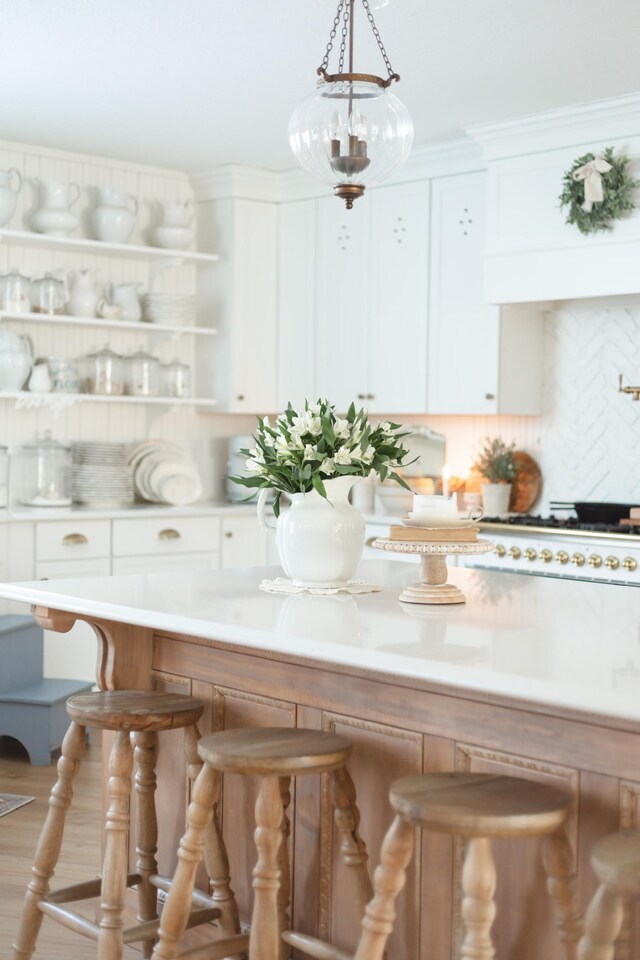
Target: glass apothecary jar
[
  {"x": 63, "y": 374},
  {"x": 142, "y": 375},
  {"x": 15, "y": 292},
  {"x": 175, "y": 379},
  {"x": 44, "y": 473},
  {"x": 49, "y": 295},
  {"x": 102, "y": 373}
]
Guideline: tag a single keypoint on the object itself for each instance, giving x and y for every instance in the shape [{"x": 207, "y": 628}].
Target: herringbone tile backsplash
[{"x": 587, "y": 440}]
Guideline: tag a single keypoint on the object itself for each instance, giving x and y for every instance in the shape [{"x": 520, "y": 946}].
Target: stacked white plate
[
  {"x": 101, "y": 475},
  {"x": 170, "y": 308},
  {"x": 163, "y": 472}
]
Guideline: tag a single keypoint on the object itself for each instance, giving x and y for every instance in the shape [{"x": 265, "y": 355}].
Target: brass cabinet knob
[
  {"x": 594, "y": 560},
  {"x": 530, "y": 553},
  {"x": 240, "y": 396},
  {"x": 629, "y": 563},
  {"x": 74, "y": 539},
  {"x": 515, "y": 553},
  {"x": 562, "y": 556},
  {"x": 500, "y": 550},
  {"x": 489, "y": 396},
  {"x": 362, "y": 396},
  {"x": 612, "y": 563},
  {"x": 577, "y": 559},
  {"x": 228, "y": 534},
  {"x": 546, "y": 556},
  {"x": 169, "y": 534}
]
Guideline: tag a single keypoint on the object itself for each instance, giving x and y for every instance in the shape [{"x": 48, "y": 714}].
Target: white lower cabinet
[
  {"x": 154, "y": 564},
  {"x": 166, "y": 536},
  {"x": 243, "y": 544}
]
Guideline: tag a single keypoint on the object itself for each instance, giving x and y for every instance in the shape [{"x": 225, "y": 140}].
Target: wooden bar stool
[
  {"x": 478, "y": 807},
  {"x": 134, "y": 716},
  {"x": 616, "y": 863},
  {"x": 275, "y": 755}
]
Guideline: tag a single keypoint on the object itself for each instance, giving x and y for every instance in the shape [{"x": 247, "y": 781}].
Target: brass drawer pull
[
  {"x": 74, "y": 539},
  {"x": 169, "y": 534}
]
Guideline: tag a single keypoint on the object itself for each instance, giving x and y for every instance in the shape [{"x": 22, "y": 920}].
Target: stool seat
[
  {"x": 480, "y": 805},
  {"x": 616, "y": 862},
  {"x": 274, "y": 751},
  {"x": 134, "y": 710}
]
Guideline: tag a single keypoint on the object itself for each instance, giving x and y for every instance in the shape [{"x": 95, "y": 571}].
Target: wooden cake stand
[{"x": 433, "y": 586}]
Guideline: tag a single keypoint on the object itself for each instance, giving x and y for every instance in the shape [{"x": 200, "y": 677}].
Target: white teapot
[
  {"x": 125, "y": 295},
  {"x": 113, "y": 219},
  {"x": 83, "y": 292},
  {"x": 55, "y": 217},
  {"x": 9, "y": 193},
  {"x": 16, "y": 360}
]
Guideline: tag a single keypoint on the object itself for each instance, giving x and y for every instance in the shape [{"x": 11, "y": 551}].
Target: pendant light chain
[
  {"x": 392, "y": 74},
  {"x": 342, "y": 20}
]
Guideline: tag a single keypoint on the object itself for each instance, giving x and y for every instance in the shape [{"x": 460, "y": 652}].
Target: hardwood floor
[{"x": 19, "y": 832}]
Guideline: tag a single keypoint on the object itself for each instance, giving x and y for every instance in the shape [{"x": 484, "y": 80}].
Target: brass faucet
[{"x": 634, "y": 391}]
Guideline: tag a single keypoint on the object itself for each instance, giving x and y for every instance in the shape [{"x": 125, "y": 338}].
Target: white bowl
[{"x": 175, "y": 238}]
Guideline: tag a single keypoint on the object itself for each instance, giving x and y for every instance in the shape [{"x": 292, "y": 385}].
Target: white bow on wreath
[{"x": 591, "y": 173}]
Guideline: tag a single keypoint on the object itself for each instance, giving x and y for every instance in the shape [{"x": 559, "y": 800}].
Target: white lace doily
[{"x": 283, "y": 585}]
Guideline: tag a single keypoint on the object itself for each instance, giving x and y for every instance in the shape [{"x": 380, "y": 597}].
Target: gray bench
[{"x": 32, "y": 708}]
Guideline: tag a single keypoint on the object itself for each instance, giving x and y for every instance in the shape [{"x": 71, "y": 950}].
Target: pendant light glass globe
[{"x": 352, "y": 134}]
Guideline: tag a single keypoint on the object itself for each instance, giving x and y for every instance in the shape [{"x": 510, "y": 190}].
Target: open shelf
[
  {"x": 140, "y": 327},
  {"x": 27, "y": 400},
  {"x": 80, "y": 245}
]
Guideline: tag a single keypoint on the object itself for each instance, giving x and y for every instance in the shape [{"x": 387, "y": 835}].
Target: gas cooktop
[{"x": 554, "y": 523}]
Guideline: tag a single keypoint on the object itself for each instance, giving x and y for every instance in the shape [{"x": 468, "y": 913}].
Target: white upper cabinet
[
  {"x": 482, "y": 360},
  {"x": 398, "y": 320},
  {"x": 296, "y": 302},
  {"x": 342, "y": 302}
]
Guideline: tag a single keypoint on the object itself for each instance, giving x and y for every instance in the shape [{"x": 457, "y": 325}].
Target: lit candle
[{"x": 446, "y": 474}]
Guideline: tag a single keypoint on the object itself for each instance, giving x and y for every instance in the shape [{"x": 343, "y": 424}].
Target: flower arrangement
[
  {"x": 305, "y": 448},
  {"x": 496, "y": 462}
]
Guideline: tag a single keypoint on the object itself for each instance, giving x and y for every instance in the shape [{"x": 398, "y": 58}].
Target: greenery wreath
[{"x": 617, "y": 187}]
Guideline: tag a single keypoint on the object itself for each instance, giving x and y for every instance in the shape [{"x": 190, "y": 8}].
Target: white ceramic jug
[
  {"x": 16, "y": 360},
  {"x": 83, "y": 293},
  {"x": 113, "y": 219},
  {"x": 9, "y": 193},
  {"x": 126, "y": 296},
  {"x": 54, "y": 217},
  {"x": 319, "y": 540}
]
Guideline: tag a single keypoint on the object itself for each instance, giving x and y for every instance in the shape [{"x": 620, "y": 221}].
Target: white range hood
[{"x": 532, "y": 254}]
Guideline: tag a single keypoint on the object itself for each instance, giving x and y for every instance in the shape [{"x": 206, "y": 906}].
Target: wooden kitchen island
[{"x": 533, "y": 676}]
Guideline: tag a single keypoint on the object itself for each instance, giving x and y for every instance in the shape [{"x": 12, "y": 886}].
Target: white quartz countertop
[{"x": 560, "y": 643}]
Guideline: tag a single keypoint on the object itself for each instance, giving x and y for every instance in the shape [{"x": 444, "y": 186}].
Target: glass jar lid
[
  {"x": 106, "y": 353},
  {"x": 47, "y": 443}
]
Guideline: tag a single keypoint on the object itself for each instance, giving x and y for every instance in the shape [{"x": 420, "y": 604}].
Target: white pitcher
[
  {"x": 176, "y": 213},
  {"x": 54, "y": 216},
  {"x": 126, "y": 296},
  {"x": 113, "y": 219},
  {"x": 9, "y": 193},
  {"x": 320, "y": 541},
  {"x": 83, "y": 293}
]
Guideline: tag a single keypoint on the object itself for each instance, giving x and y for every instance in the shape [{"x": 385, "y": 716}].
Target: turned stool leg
[
  {"x": 215, "y": 852},
  {"x": 352, "y": 846},
  {"x": 478, "y": 906},
  {"x": 116, "y": 856},
  {"x": 559, "y": 862},
  {"x": 145, "y": 753},
  {"x": 264, "y": 940},
  {"x": 175, "y": 913},
  {"x": 603, "y": 923},
  {"x": 284, "y": 889},
  {"x": 388, "y": 881},
  {"x": 48, "y": 850}
]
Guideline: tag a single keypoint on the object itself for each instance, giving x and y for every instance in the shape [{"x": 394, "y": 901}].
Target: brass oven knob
[
  {"x": 577, "y": 559},
  {"x": 594, "y": 560},
  {"x": 515, "y": 553},
  {"x": 546, "y": 556},
  {"x": 612, "y": 563},
  {"x": 500, "y": 549},
  {"x": 629, "y": 563},
  {"x": 562, "y": 556},
  {"x": 530, "y": 553}
]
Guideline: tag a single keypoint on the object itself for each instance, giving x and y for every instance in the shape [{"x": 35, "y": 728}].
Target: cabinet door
[
  {"x": 463, "y": 330},
  {"x": 296, "y": 301},
  {"x": 243, "y": 543},
  {"x": 342, "y": 302},
  {"x": 399, "y": 298}
]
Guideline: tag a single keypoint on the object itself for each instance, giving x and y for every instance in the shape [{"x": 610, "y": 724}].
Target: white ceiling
[{"x": 196, "y": 83}]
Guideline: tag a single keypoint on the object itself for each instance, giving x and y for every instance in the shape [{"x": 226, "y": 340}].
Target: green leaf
[
  {"x": 276, "y": 505},
  {"x": 382, "y": 473},
  {"x": 398, "y": 479},
  {"x": 319, "y": 485},
  {"x": 351, "y": 413},
  {"x": 328, "y": 432}
]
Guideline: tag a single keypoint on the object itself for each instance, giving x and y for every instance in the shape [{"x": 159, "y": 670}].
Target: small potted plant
[
  {"x": 496, "y": 463},
  {"x": 314, "y": 457}
]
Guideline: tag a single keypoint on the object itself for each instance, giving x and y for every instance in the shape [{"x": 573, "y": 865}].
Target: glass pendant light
[{"x": 352, "y": 131}]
